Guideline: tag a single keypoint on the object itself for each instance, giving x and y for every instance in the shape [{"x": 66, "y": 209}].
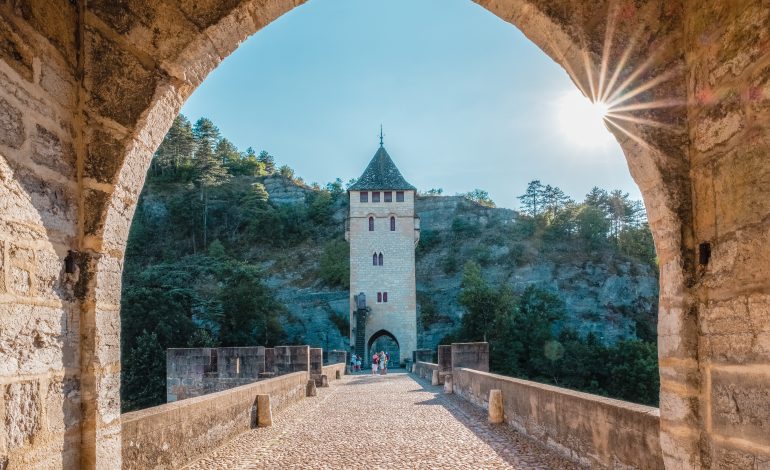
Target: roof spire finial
[{"x": 381, "y": 135}]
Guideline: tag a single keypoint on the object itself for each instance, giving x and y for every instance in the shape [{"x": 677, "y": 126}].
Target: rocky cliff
[{"x": 611, "y": 295}]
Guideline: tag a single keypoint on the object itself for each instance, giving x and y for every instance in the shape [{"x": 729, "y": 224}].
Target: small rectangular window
[
  {"x": 364, "y": 196},
  {"x": 388, "y": 196},
  {"x": 384, "y": 296},
  {"x": 376, "y": 196},
  {"x": 399, "y": 196},
  {"x": 379, "y": 297}
]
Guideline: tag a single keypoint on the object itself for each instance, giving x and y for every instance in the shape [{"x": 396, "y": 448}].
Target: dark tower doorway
[{"x": 384, "y": 340}]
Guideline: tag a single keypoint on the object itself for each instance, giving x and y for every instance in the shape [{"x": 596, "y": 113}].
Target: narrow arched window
[
  {"x": 374, "y": 259},
  {"x": 379, "y": 297},
  {"x": 379, "y": 258},
  {"x": 384, "y": 296},
  {"x": 392, "y": 224},
  {"x": 371, "y": 224}
]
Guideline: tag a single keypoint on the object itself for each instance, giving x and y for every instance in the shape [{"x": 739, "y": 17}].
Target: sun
[{"x": 581, "y": 121}]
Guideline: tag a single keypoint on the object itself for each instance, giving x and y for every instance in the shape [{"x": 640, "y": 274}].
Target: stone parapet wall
[
  {"x": 596, "y": 431},
  {"x": 424, "y": 369},
  {"x": 331, "y": 370},
  {"x": 172, "y": 435},
  {"x": 470, "y": 355}
]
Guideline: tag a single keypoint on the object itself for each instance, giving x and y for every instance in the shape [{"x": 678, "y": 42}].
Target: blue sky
[{"x": 466, "y": 101}]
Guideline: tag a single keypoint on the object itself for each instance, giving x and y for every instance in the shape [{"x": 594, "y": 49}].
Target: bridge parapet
[
  {"x": 175, "y": 434},
  {"x": 596, "y": 431}
]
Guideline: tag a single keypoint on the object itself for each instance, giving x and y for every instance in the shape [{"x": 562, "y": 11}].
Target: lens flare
[{"x": 582, "y": 121}]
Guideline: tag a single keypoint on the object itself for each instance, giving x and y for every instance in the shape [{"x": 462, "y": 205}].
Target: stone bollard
[
  {"x": 434, "y": 378},
  {"x": 448, "y": 383},
  {"x": 264, "y": 411},
  {"x": 311, "y": 391},
  {"x": 324, "y": 380},
  {"x": 337, "y": 375},
  {"x": 495, "y": 406}
]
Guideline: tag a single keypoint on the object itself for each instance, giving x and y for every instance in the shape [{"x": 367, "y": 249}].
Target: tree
[
  {"x": 592, "y": 225},
  {"x": 553, "y": 201},
  {"x": 286, "y": 172},
  {"x": 144, "y": 370},
  {"x": 209, "y": 171},
  {"x": 226, "y": 152},
  {"x": 479, "y": 196},
  {"x": 177, "y": 146},
  {"x": 532, "y": 199},
  {"x": 267, "y": 161}
]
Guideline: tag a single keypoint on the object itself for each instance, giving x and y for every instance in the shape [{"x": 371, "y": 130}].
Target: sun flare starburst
[{"x": 612, "y": 97}]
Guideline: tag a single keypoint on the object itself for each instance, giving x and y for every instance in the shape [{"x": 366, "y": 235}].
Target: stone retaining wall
[
  {"x": 172, "y": 435},
  {"x": 596, "y": 431}
]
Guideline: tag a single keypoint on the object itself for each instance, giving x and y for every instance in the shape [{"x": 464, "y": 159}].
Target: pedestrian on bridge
[{"x": 375, "y": 363}]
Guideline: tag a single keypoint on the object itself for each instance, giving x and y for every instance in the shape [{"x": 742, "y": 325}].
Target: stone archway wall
[{"x": 89, "y": 88}]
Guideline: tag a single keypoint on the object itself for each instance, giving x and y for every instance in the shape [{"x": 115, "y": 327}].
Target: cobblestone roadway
[{"x": 381, "y": 422}]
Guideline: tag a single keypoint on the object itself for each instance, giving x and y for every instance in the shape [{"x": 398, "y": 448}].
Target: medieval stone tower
[{"x": 383, "y": 231}]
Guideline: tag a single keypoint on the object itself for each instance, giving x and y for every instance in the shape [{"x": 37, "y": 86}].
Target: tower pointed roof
[{"x": 381, "y": 174}]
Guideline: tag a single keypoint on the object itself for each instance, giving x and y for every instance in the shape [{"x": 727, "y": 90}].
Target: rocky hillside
[{"x": 605, "y": 292}]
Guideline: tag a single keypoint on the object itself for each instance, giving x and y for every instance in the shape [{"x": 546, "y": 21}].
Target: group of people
[{"x": 380, "y": 361}]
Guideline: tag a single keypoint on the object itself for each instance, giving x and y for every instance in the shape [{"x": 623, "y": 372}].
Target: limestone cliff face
[{"x": 606, "y": 293}]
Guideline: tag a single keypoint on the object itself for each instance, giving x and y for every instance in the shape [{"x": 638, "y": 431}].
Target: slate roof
[{"x": 381, "y": 174}]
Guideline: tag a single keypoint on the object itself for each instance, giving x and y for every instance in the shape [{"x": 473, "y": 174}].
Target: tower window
[
  {"x": 384, "y": 296},
  {"x": 376, "y": 196},
  {"x": 392, "y": 224},
  {"x": 379, "y": 297},
  {"x": 374, "y": 259},
  {"x": 363, "y": 196},
  {"x": 371, "y": 224},
  {"x": 388, "y": 196},
  {"x": 399, "y": 196},
  {"x": 379, "y": 259}
]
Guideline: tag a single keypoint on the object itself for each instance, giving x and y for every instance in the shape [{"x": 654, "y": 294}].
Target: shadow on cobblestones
[{"x": 517, "y": 449}]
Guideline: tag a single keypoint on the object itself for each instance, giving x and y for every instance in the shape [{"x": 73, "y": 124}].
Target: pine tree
[
  {"x": 268, "y": 161},
  {"x": 209, "y": 171},
  {"x": 532, "y": 199},
  {"x": 177, "y": 147}
]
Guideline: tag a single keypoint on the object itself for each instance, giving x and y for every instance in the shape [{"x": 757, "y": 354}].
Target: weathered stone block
[
  {"x": 740, "y": 403},
  {"x": 56, "y": 20},
  {"x": 11, "y": 125},
  {"x": 104, "y": 156},
  {"x": 471, "y": 356},
  {"x": 22, "y": 413},
  {"x": 15, "y": 50},
  {"x": 119, "y": 85}
]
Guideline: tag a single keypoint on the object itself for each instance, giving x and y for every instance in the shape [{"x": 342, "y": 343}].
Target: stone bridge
[
  {"x": 88, "y": 89},
  {"x": 450, "y": 414}
]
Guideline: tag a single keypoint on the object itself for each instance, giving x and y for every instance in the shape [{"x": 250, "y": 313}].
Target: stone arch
[
  {"x": 383, "y": 333},
  {"x": 87, "y": 92}
]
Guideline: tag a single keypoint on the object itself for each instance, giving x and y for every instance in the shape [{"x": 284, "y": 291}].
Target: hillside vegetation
[{"x": 228, "y": 248}]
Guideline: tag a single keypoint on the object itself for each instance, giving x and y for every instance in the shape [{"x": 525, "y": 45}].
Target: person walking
[
  {"x": 382, "y": 362},
  {"x": 375, "y": 363},
  {"x": 352, "y": 363}
]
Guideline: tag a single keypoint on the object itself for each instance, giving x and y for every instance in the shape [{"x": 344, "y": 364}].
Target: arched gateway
[
  {"x": 88, "y": 89},
  {"x": 382, "y": 230}
]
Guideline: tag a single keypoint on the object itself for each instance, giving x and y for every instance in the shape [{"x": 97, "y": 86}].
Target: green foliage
[
  {"x": 479, "y": 196},
  {"x": 342, "y": 322},
  {"x": 144, "y": 373},
  {"x": 428, "y": 312},
  {"x": 192, "y": 301},
  {"x": 217, "y": 249},
  {"x": 526, "y": 340},
  {"x": 335, "y": 264}
]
